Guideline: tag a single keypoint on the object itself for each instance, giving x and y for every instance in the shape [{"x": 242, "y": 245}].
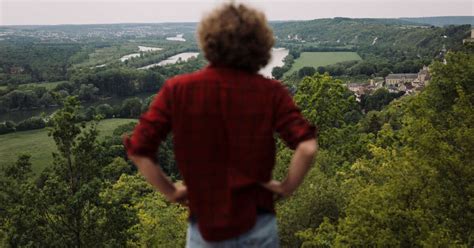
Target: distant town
[
  {"x": 394, "y": 83},
  {"x": 409, "y": 83}
]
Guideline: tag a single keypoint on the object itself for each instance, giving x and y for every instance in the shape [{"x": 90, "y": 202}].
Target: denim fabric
[{"x": 263, "y": 235}]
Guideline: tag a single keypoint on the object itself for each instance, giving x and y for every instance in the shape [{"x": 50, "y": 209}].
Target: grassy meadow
[
  {"x": 40, "y": 146},
  {"x": 316, "y": 59},
  {"x": 107, "y": 54}
]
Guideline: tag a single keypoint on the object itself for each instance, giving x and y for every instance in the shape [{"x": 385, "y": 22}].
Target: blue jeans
[{"x": 263, "y": 235}]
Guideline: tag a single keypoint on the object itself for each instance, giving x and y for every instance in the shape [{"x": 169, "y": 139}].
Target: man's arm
[
  {"x": 300, "y": 164},
  {"x": 298, "y": 134},
  {"x": 141, "y": 148},
  {"x": 156, "y": 177}
]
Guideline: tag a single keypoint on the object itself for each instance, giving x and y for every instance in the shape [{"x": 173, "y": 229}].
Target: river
[
  {"x": 172, "y": 60},
  {"x": 278, "y": 55},
  {"x": 140, "y": 49},
  {"x": 178, "y": 37}
]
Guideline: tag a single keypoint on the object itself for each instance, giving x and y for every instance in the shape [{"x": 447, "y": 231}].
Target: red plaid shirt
[{"x": 223, "y": 122}]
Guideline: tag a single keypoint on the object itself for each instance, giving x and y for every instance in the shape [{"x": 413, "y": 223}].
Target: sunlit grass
[
  {"x": 39, "y": 145},
  {"x": 316, "y": 59}
]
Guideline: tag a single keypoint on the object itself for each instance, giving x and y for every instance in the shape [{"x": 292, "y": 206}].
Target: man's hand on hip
[{"x": 179, "y": 195}]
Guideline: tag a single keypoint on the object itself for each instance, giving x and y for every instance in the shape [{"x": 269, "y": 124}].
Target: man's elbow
[
  {"x": 133, "y": 157},
  {"x": 308, "y": 147}
]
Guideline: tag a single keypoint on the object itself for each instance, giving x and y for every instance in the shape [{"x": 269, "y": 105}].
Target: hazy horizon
[{"x": 47, "y": 12}]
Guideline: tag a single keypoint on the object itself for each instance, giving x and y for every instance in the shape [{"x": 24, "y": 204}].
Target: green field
[
  {"x": 108, "y": 54},
  {"x": 113, "y": 53},
  {"x": 40, "y": 146},
  {"x": 316, "y": 59}
]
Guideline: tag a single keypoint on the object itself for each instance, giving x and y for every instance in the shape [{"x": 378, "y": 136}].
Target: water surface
[
  {"x": 278, "y": 55},
  {"x": 178, "y": 37},
  {"x": 172, "y": 60}
]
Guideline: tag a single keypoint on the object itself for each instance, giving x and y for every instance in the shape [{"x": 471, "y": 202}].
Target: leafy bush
[{"x": 31, "y": 123}]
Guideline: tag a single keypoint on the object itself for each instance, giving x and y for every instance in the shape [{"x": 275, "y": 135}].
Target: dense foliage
[
  {"x": 410, "y": 185},
  {"x": 88, "y": 197},
  {"x": 35, "y": 62}
]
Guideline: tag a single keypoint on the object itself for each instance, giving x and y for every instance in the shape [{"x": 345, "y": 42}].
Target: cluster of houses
[{"x": 394, "y": 83}]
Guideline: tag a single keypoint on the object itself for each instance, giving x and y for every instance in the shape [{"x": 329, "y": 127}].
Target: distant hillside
[
  {"x": 441, "y": 21},
  {"x": 373, "y": 34}
]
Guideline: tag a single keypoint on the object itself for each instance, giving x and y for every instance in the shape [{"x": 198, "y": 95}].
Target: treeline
[
  {"x": 31, "y": 123},
  {"x": 373, "y": 67},
  {"x": 120, "y": 81},
  {"x": 364, "y": 69},
  {"x": 130, "y": 108},
  {"x": 34, "y": 97},
  {"x": 361, "y": 33},
  {"x": 13, "y": 98}
]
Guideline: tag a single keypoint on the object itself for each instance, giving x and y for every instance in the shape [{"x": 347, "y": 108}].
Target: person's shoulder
[
  {"x": 184, "y": 78},
  {"x": 264, "y": 82},
  {"x": 274, "y": 84}
]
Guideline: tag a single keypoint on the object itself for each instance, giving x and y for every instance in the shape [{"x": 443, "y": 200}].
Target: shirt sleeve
[
  {"x": 153, "y": 127},
  {"x": 290, "y": 123}
]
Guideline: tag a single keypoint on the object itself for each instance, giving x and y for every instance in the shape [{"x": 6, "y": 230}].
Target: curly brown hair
[{"x": 236, "y": 36}]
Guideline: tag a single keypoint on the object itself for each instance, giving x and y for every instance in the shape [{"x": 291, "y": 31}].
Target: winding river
[
  {"x": 278, "y": 55},
  {"x": 172, "y": 60}
]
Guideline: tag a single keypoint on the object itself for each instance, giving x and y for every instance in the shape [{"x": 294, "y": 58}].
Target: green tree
[
  {"x": 105, "y": 110},
  {"x": 379, "y": 99},
  {"x": 19, "y": 217},
  {"x": 87, "y": 92},
  {"x": 131, "y": 107},
  {"x": 324, "y": 102},
  {"x": 31, "y": 123},
  {"x": 7, "y": 127},
  {"x": 277, "y": 72},
  {"x": 317, "y": 198},
  {"x": 157, "y": 223},
  {"x": 62, "y": 207},
  {"x": 384, "y": 72},
  {"x": 46, "y": 100},
  {"x": 306, "y": 71}
]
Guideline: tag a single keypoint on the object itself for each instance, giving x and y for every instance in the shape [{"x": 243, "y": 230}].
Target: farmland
[
  {"x": 316, "y": 59},
  {"x": 40, "y": 146}
]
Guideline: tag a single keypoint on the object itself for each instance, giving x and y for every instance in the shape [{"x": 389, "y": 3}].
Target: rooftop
[{"x": 402, "y": 75}]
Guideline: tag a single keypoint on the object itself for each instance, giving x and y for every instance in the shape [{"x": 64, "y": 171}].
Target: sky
[{"x": 45, "y": 12}]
